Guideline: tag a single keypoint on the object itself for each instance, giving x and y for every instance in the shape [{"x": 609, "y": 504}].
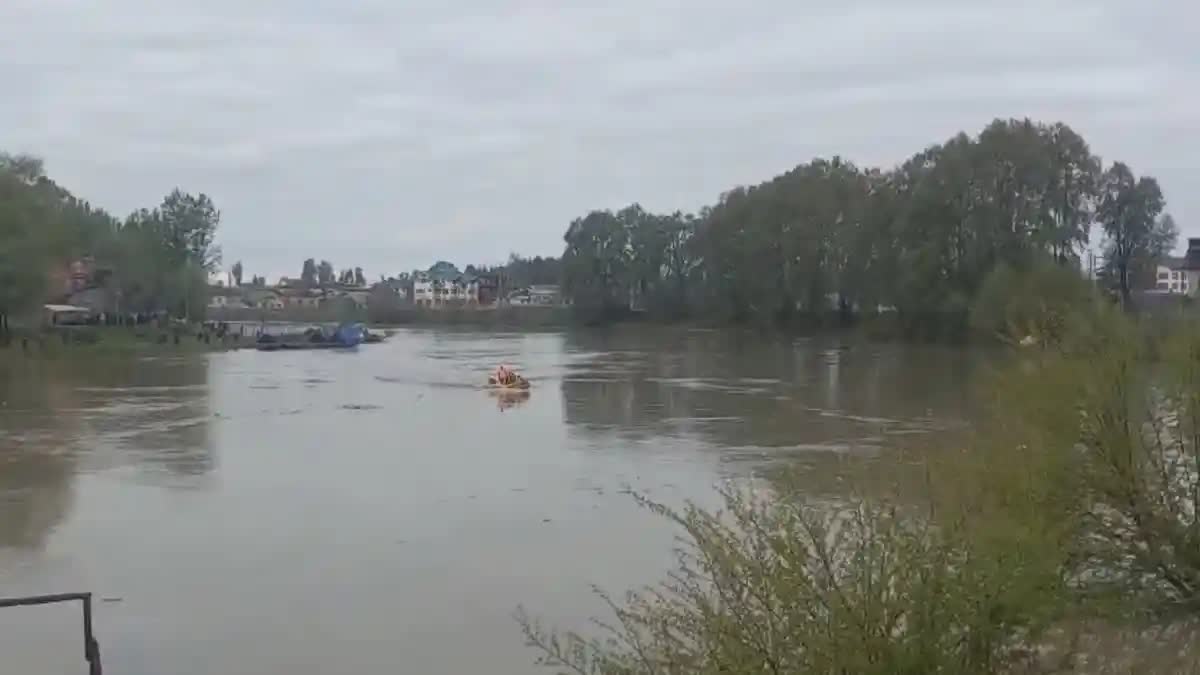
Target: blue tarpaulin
[{"x": 349, "y": 334}]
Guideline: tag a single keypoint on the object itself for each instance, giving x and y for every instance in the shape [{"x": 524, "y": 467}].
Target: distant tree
[
  {"x": 309, "y": 274},
  {"x": 519, "y": 271},
  {"x": 597, "y": 261},
  {"x": 1129, "y": 212},
  {"x": 189, "y": 225},
  {"x": 26, "y": 168},
  {"x": 359, "y": 278},
  {"x": 237, "y": 272},
  {"x": 325, "y": 273},
  {"x": 156, "y": 259}
]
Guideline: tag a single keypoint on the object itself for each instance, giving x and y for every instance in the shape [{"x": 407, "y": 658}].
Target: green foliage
[
  {"x": 1129, "y": 213},
  {"x": 186, "y": 228},
  {"x": 325, "y": 273},
  {"x": 830, "y": 237},
  {"x": 777, "y": 585},
  {"x": 1037, "y": 303},
  {"x": 308, "y": 275},
  {"x": 159, "y": 258},
  {"x": 521, "y": 272},
  {"x": 597, "y": 260}
]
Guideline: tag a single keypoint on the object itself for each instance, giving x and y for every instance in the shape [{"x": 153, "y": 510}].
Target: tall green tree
[
  {"x": 188, "y": 226},
  {"x": 23, "y": 255},
  {"x": 308, "y": 274},
  {"x": 919, "y": 239},
  {"x": 237, "y": 273},
  {"x": 325, "y": 273},
  {"x": 1129, "y": 213},
  {"x": 155, "y": 259},
  {"x": 596, "y": 262}
]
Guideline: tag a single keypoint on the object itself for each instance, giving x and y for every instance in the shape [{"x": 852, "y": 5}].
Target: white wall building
[
  {"x": 1180, "y": 275},
  {"x": 1170, "y": 277}
]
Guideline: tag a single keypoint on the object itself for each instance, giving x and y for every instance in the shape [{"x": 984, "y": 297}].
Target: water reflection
[
  {"x": 63, "y": 418},
  {"x": 507, "y": 400},
  {"x": 761, "y": 398}
]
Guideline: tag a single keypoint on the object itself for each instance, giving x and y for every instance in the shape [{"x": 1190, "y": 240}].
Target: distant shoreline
[{"x": 517, "y": 316}]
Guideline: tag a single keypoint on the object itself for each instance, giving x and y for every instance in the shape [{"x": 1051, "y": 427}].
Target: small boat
[{"x": 519, "y": 384}]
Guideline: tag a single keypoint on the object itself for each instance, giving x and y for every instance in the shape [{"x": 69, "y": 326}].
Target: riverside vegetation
[
  {"x": 156, "y": 260},
  {"x": 829, "y": 238},
  {"x": 1065, "y": 536}
]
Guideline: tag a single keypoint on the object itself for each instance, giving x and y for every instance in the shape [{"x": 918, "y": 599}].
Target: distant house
[
  {"x": 1190, "y": 267},
  {"x": 65, "y": 315},
  {"x": 387, "y": 295},
  {"x": 488, "y": 288},
  {"x": 543, "y": 295},
  {"x": 1179, "y": 275},
  {"x": 444, "y": 285},
  {"x": 98, "y": 299},
  {"x": 304, "y": 298},
  {"x": 423, "y": 289},
  {"x": 220, "y": 297},
  {"x": 262, "y": 298},
  {"x": 82, "y": 282},
  {"x": 355, "y": 296},
  {"x": 1169, "y": 276}
]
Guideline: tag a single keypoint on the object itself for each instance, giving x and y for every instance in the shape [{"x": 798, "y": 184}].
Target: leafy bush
[
  {"x": 776, "y": 585},
  {"x": 1039, "y": 302}
]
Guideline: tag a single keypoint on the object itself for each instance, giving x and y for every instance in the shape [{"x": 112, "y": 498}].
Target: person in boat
[{"x": 504, "y": 375}]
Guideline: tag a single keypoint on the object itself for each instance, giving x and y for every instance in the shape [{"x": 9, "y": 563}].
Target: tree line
[
  {"x": 920, "y": 238},
  {"x": 155, "y": 259},
  {"x": 315, "y": 275}
]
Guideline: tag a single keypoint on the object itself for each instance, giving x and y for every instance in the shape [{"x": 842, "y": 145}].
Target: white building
[
  {"x": 423, "y": 295},
  {"x": 444, "y": 285},
  {"x": 545, "y": 295},
  {"x": 1180, "y": 275},
  {"x": 1170, "y": 277}
]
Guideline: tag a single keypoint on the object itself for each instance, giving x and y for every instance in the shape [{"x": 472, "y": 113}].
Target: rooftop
[{"x": 1191, "y": 261}]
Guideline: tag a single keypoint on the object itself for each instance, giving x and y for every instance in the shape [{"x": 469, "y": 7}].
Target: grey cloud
[{"x": 390, "y": 134}]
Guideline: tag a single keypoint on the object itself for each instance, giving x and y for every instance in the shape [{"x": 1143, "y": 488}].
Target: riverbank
[
  {"x": 90, "y": 341},
  {"x": 501, "y": 317}
]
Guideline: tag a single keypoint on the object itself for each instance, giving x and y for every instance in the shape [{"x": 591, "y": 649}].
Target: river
[{"x": 378, "y": 511}]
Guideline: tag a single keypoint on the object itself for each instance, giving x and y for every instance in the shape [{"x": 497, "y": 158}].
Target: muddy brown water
[{"x": 378, "y": 511}]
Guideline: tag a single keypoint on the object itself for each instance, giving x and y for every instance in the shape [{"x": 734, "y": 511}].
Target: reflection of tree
[
  {"x": 752, "y": 394},
  {"x": 154, "y": 415},
  {"x": 35, "y": 494},
  {"x": 59, "y": 418},
  {"x": 35, "y": 466}
]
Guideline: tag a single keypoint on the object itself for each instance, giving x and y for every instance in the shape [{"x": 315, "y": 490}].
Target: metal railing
[{"x": 91, "y": 648}]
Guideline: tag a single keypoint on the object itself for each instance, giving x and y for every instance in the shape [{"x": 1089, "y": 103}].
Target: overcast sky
[{"x": 389, "y": 133}]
